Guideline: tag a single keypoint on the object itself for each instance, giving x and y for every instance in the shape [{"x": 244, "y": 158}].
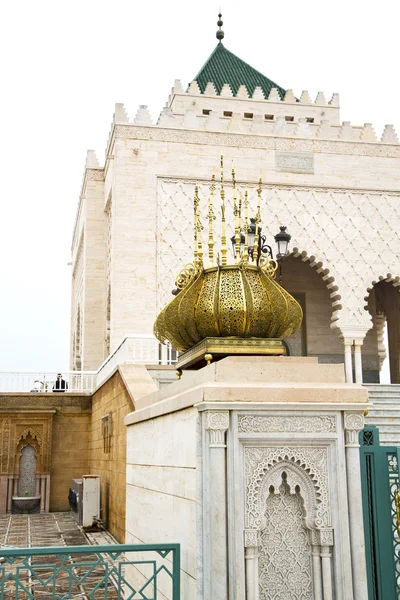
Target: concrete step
[
  {"x": 386, "y": 407},
  {"x": 385, "y": 412},
  {"x": 384, "y": 393},
  {"x": 384, "y": 418}
]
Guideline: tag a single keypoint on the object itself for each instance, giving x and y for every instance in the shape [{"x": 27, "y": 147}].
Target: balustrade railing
[
  {"x": 36, "y": 381},
  {"x": 109, "y": 571},
  {"x": 137, "y": 349},
  {"x": 133, "y": 349}
]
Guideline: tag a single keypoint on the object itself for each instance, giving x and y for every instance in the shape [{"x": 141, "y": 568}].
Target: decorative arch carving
[
  {"x": 389, "y": 278},
  {"x": 296, "y": 476},
  {"x": 306, "y": 465},
  {"x": 328, "y": 279}
]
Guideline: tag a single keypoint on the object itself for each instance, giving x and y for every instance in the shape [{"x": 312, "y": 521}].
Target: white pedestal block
[{"x": 258, "y": 455}]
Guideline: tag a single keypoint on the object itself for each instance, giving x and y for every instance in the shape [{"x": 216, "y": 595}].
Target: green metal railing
[{"x": 91, "y": 572}]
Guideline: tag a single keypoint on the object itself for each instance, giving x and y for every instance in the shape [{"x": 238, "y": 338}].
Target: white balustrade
[
  {"x": 137, "y": 349},
  {"x": 36, "y": 381},
  {"x": 133, "y": 349}
]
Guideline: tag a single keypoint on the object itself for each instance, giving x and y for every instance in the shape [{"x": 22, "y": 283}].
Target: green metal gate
[{"x": 381, "y": 508}]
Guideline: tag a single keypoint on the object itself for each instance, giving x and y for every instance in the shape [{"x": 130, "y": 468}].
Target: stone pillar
[
  {"x": 316, "y": 569},
  {"x": 252, "y": 544},
  {"x": 3, "y": 493},
  {"x": 380, "y": 322},
  {"x": 10, "y": 492},
  {"x": 322, "y": 540},
  {"x": 42, "y": 493},
  {"x": 353, "y": 423},
  {"x": 217, "y": 423},
  {"x": 326, "y": 572},
  {"x": 357, "y": 360},
  {"x": 348, "y": 366}
]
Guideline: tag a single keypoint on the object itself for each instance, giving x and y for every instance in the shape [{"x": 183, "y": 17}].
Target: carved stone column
[
  {"x": 322, "y": 540},
  {"x": 353, "y": 423},
  {"x": 316, "y": 564},
  {"x": 251, "y": 544},
  {"x": 380, "y": 322},
  {"x": 348, "y": 366},
  {"x": 326, "y": 539},
  {"x": 217, "y": 423},
  {"x": 357, "y": 360}
]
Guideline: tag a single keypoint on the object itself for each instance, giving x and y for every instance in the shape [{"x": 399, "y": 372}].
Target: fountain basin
[{"x": 26, "y": 504}]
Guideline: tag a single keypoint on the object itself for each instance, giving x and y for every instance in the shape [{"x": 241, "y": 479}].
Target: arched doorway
[
  {"x": 383, "y": 304},
  {"x": 307, "y": 281}
]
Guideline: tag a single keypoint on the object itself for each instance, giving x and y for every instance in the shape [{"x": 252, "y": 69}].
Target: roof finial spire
[{"x": 220, "y": 34}]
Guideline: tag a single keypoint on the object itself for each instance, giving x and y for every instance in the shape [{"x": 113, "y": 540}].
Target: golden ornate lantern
[{"x": 228, "y": 308}]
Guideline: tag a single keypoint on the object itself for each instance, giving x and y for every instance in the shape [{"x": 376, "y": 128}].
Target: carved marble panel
[
  {"x": 285, "y": 551},
  {"x": 285, "y": 424}
]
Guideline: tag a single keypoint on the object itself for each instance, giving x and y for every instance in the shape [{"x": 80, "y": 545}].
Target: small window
[
  {"x": 227, "y": 113},
  {"x": 269, "y": 117},
  {"x": 248, "y": 115},
  {"x": 309, "y": 119},
  {"x": 206, "y": 111},
  {"x": 289, "y": 118}
]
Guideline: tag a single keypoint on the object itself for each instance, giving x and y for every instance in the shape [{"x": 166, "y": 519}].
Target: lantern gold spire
[
  {"x": 236, "y": 214},
  {"x": 211, "y": 218},
  {"x": 223, "y": 218},
  {"x": 198, "y": 227},
  {"x": 257, "y": 217},
  {"x": 246, "y": 227}
]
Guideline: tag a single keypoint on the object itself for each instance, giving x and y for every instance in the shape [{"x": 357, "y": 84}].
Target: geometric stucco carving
[{"x": 346, "y": 214}]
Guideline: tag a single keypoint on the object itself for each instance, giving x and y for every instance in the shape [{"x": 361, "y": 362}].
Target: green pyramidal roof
[{"x": 223, "y": 67}]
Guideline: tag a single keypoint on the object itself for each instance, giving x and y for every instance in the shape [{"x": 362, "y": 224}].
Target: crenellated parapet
[{"x": 272, "y": 116}]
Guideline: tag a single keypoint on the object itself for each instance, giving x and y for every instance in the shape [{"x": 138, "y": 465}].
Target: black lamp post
[{"x": 282, "y": 239}]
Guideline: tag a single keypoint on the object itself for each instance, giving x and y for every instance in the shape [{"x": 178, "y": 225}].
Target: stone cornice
[
  {"x": 9, "y": 401},
  {"x": 251, "y": 183},
  {"x": 244, "y": 140}
]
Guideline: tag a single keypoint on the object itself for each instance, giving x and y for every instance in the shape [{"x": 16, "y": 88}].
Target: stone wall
[
  {"x": 58, "y": 425},
  {"x": 348, "y": 192},
  {"x": 161, "y": 485},
  {"x": 107, "y": 453},
  {"x": 70, "y": 451}
]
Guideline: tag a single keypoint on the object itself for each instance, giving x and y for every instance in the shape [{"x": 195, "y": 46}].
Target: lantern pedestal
[{"x": 214, "y": 348}]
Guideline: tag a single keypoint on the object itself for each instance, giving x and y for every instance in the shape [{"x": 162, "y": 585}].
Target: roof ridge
[
  {"x": 253, "y": 68},
  {"x": 209, "y": 58},
  {"x": 225, "y": 67}
]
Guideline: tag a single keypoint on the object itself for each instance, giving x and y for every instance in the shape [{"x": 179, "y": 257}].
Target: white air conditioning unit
[{"x": 84, "y": 499}]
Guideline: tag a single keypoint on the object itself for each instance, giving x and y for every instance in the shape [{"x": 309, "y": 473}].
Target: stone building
[{"x": 333, "y": 185}]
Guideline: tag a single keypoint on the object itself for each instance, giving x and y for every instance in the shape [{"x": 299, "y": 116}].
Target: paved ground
[
  {"x": 48, "y": 529},
  {"x": 73, "y": 580}
]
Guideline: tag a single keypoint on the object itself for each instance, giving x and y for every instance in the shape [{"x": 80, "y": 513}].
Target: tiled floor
[
  {"x": 48, "y": 529},
  {"x": 76, "y": 581}
]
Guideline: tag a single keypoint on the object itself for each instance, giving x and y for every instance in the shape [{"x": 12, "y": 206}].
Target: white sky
[{"x": 65, "y": 65}]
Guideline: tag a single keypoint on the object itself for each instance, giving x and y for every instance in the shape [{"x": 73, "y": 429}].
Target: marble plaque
[{"x": 291, "y": 162}]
